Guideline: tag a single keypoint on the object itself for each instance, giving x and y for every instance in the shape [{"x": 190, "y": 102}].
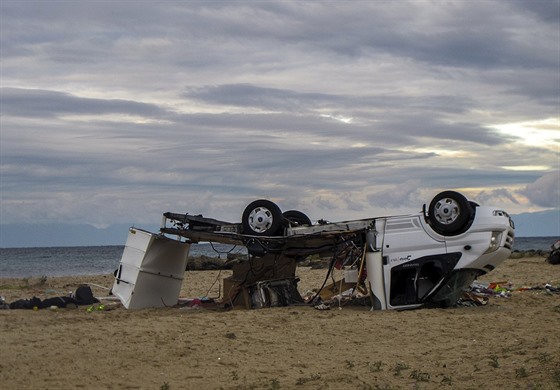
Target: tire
[
  {"x": 262, "y": 218},
  {"x": 450, "y": 213},
  {"x": 296, "y": 218}
]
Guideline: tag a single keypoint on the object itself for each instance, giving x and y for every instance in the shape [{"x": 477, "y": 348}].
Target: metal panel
[
  {"x": 151, "y": 270},
  {"x": 374, "y": 264}
]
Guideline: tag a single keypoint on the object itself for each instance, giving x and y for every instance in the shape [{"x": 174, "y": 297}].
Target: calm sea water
[
  {"x": 91, "y": 260},
  {"x": 81, "y": 260}
]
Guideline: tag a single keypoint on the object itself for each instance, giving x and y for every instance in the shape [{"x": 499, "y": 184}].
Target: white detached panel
[{"x": 151, "y": 270}]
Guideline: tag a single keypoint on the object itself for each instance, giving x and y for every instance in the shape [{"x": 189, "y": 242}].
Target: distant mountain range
[{"x": 540, "y": 224}]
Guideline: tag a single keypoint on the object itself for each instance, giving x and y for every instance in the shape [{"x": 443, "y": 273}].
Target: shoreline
[
  {"x": 311, "y": 274},
  {"x": 206, "y": 263}
]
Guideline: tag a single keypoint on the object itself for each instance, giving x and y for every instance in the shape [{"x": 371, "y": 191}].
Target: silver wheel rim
[
  {"x": 446, "y": 211},
  {"x": 260, "y": 219}
]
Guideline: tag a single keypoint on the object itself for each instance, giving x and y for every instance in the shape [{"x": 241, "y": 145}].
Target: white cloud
[{"x": 545, "y": 191}]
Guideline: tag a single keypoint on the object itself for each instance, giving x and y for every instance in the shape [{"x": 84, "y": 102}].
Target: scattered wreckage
[
  {"x": 397, "y": 262},
  {"x": 554, "y": 255}
]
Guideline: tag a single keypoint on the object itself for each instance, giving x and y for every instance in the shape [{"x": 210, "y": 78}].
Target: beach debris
[
  {"x": 269, "y": 283},
  {"x": 151, "y": 271},
  {"x": 322, "y": 306},
  {"x": 192, "y": 304},
  {"x": 91, "y": 309},
  {"x": 546, "y": 287},
  {"x": 3, "y": 304},
  {"x": 479, "y": 292},
  {"x": 82, "y": 296},
  {"x": 554, "y": 256},
  {"x": 351, "y": 290}
]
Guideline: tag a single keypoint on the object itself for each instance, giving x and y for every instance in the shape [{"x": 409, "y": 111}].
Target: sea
[
  {"x": 94, "y": 260},
  {"x": 83, "y": 260}
]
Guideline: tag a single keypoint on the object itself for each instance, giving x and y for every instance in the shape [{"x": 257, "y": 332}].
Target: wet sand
[{"x": 509, "y": 343}]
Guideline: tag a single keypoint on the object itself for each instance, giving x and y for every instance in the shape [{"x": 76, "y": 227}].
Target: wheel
[
  {"x": 297, "y": 218},
  {"x": 450, "y": 213},
  {"x": 262, "y": 218}
]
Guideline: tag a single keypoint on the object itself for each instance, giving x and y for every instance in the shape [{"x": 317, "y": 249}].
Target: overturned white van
[{"x": 405, "y": 261}]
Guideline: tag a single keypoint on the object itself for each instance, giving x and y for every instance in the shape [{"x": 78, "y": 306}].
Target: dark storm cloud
[
  {"x": 547, "y": 11},
  {"x": 45, "y": 104},
  {"x": 414, "y": 123},
  {"x": 450, "y": 34},
  {"x": 441, "y": 133},
  {"x": 246, "y": 95}
]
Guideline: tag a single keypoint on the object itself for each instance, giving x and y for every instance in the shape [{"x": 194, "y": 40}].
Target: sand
[{"x": 509, "y": 343}]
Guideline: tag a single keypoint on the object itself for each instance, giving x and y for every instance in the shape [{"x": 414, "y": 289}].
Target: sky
[{"x": 117, "y": 111}]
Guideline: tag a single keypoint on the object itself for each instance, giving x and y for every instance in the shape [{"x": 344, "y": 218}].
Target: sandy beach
[{"x": 511, "y": 342}]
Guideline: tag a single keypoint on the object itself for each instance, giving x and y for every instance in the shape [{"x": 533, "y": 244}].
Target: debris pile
[
  {"x": 82, "y": 296},
  {"x": 480, "y": 292},
  {"x": 554, "y": 255}
]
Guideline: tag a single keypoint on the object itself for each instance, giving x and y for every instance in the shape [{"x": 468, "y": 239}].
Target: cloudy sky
[{"x": 117, "y": 111}]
